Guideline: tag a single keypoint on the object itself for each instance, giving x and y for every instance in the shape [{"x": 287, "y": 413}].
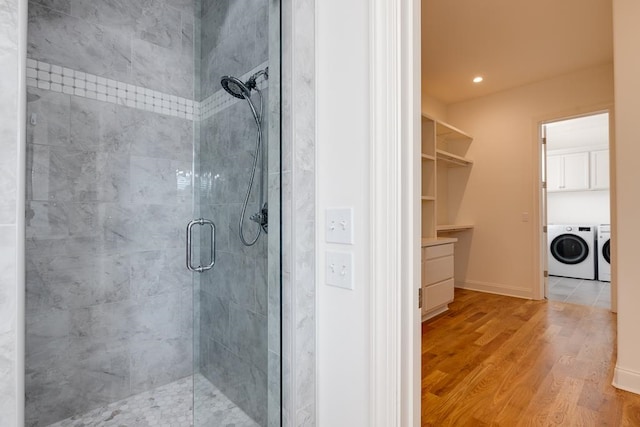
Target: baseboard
[
  {"x": 495, "y": 288},
  {"x": 625, "y": 379},
  {"x": 435, "y": 313}
]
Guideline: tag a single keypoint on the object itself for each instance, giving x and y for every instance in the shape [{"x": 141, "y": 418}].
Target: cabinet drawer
[
  {"x": 438, "y": 294},
  {"x": 437, "y": 270},
  {"x": 438, "y": 251}
]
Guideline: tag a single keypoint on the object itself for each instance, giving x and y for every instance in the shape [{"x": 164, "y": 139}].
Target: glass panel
[
  {"x": 237, "y": 158},
  {"x": 108, "y": 299}
]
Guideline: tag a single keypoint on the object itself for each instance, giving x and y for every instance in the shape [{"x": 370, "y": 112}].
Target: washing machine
[
  {"x": 572, "y": 251},
  {"x": 604, "y": 253}
]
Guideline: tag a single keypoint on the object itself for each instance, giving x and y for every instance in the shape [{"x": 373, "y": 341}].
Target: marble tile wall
[
  {"x": 234, "y": 39},
  {"x": 108, "y": 299},
  {"x": 9, "y": 144},
  {"x": 109, "y": 191},
  {"x": 235, "y": 296},
  {"x": 298, "y": 213},
  {"x": 147, "y": 43}
]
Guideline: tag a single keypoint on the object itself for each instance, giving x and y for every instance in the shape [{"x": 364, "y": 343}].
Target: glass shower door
[
  {"x": 237, "y": 211},
  {"x": 130, "y": 136}
]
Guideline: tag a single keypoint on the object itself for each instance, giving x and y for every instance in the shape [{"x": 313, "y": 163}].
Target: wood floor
[{"x": 500, "y": 361}]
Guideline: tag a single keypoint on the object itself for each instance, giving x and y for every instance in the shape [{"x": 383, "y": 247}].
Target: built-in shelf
[
  {"x": 442, "y": 147},
  {"x": 435, "y": 241},
  {"x": 449, "y": 228},
  {"x": 453, "y": 159},
  {"x": 446, "y": 131}
]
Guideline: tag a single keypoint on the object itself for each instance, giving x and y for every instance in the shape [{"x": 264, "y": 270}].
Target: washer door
[
  {"x": 569, "y": 249},
  {"x": 606, "y": 251}
]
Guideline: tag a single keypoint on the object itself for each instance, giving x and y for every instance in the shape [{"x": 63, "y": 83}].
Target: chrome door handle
[{"x": 212, "y": 254}]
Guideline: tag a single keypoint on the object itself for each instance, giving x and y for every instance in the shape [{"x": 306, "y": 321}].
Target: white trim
[
  {"x": 625, "y": 379},
  {"x": 20, "y": 217},
  {"x": 495, "y": 288},
  {"x": 411, "y": 266},
  {"x": 395, "y": 117}
]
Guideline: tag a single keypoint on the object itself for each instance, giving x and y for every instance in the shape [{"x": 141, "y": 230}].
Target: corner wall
[
  {"x": 626, "y": 234},
  {"x": 344, "y": 153},
  {"x": 499, "y": 254}
]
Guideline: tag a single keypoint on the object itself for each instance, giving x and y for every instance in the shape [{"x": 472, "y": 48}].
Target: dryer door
[
  {"x": 606, "y": 251},
  {"x": 569, "y": 249}
]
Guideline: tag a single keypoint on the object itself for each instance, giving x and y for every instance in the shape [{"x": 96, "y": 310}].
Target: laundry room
[{"x": 578, "y": 209}]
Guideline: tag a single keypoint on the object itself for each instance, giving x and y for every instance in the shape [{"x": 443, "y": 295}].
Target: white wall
[
  {"x": 499, "y": 254},
  {"x": 626, "y": 231},
  {"x": 578, "y": 207},
  {"x": 434, "y": 108},
  {"x": 342, "y": 59}
]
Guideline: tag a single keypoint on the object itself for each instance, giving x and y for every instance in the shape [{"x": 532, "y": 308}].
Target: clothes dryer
[
  {"x": 572, "y": 251},
  {"x": 604, "y": 252}
]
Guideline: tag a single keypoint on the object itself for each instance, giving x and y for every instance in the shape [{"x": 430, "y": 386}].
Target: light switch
[
  {"x": 339, "y": 226},
  {"x": 339, "y": 269}
]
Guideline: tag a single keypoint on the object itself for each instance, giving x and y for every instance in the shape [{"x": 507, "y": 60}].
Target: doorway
[{"x": 576, "y": 209}]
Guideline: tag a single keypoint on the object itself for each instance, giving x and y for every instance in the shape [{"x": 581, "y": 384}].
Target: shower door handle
[{"x": 212, "y": 253}]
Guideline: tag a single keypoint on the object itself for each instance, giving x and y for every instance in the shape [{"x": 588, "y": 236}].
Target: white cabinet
[
  {"x": 437, "y": 279},
  {"x": 568, "y": 172},
  {"x": 599, "y": 170},
  {"x": 581, "y": 171},
  {"x": 554, "y": 173}
]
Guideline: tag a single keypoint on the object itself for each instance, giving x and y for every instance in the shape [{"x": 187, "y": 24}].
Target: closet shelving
[
  {"x": 443, "y": 147},
  {"x": 442, "y": 155}
]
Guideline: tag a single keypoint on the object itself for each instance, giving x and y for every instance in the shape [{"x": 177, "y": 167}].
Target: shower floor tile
[{"x": 170, "y": 405}]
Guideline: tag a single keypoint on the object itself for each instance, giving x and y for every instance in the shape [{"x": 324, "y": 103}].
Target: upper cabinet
[
  {"x": 581, "y": 171},
  {"x": 599, "y": 170},
  {"x": 568, "y": 172}
]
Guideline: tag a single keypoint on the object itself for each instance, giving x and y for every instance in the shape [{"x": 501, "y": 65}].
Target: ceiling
[{"x": 509, "y": 42}]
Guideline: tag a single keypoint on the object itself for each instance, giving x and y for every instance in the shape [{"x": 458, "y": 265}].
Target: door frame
[
  {"x": 395, "y": 361},
  {"x": 539, "y": 193}
]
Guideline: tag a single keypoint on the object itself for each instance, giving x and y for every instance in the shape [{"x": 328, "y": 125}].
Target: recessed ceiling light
[{"x": 477, "y": 79}]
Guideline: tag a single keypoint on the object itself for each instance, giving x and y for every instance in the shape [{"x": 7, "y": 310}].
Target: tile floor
[
  {"x": 579, "y": 291},
  {"x": 170, "y": 405}
]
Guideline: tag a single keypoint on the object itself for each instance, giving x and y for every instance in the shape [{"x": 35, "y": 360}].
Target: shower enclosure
[{"x": 153, "y": 136}]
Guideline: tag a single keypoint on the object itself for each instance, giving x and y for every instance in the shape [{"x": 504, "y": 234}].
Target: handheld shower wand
[{"x": 235, "y": 87}]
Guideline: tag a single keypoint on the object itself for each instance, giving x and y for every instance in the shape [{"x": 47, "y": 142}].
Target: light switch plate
[
  {"x": 339, "y": 226},
  {"x": 339, "y": 271}
]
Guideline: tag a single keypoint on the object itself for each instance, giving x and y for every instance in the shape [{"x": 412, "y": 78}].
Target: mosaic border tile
[
  {"x": 56, "y": 78},
  {"x": 73, "y": 82}
]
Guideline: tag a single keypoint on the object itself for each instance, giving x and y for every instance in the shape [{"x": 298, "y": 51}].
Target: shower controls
[
  {"x": 212, "y": 241},
  {"x": 339, "y": 271},
  {"x": 262, "y": 218},
  {"x": 339, "y": 226}
]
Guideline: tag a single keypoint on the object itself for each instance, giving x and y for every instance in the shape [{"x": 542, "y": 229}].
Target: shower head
[{"x": 235, "y": 87}]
